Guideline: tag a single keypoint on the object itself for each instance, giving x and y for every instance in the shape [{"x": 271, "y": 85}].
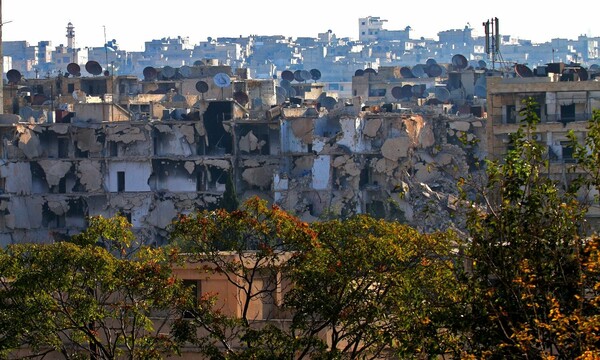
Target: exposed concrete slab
[
  {"x": 24, "y": 213},
  {"x": 163, "y": 213},
  {"x": 90, "y": 175},
  {"x": 190, "y": 166},
  {"x": 188, "y": 133},
  {"x": 125, "y": 133},
  {"x": 55, "y": 170},
  {"x": 396, "y": 149},
  {"x": 58, "y": 207},
  {"x": 372, "y": 127},
  {"x": 29, "y": 142},
  {"x": 17, "y": 177},
  {"x": 426, "y": 173},
  {"x": 249, "y": 143},
  {"x": 459, "y": 125},
  {"x": 61, "y": 129},
  {"x": 303, "y": 129},
  {"x": 221, "y": 164},
  {"x": 261, "y": 177},
  {"x": 87, "y": 140}
]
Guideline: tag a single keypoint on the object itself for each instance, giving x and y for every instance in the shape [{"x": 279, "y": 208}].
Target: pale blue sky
[{"x": 133, "y": 22}]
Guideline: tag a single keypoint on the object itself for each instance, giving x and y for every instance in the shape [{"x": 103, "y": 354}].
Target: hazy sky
[{"x": 132, "y": 22}]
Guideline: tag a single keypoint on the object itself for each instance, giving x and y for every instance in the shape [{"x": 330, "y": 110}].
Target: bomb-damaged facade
[{"x": 154, "y": 148}]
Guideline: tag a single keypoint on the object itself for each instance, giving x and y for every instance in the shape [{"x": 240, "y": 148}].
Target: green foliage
[
  {"x": 248, "y": 248},
  {"x": 374, "y": 287},
  {"x": 78, "y": 299},
  {"x": 526, "y": 252},
  {"x": 229, "y": 201}
]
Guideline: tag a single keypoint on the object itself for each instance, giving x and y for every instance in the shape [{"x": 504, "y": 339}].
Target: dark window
[
  {"x": 114, "y": 148},
  {"x": 567, "y": 151},
  {"x": 567, "y": 112},
  {"x": 70, "y": 88},
  {"x": 63, "y": 148},
  {"x": 62, "y": 186},
  {"x": 195, "y": 288},
  {"x": 120, "y": 181},
  {"x": 511, "y": 114}
]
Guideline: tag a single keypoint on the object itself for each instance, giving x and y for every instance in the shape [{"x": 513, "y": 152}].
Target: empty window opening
[{"x": 120, "y": 181}]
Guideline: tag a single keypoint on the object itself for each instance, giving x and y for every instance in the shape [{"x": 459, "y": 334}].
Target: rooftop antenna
[
  {"x": 493, "y": 40},
  {"x": 106, "y": 47}
]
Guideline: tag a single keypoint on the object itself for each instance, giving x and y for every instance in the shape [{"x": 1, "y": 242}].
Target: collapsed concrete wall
[{"x": 388, "y": 165}]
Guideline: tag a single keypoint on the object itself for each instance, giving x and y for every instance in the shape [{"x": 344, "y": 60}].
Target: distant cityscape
[{"x": 267, "y": 55}]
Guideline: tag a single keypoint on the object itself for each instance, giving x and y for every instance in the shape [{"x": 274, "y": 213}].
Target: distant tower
[{"x": 70, "y": 36}]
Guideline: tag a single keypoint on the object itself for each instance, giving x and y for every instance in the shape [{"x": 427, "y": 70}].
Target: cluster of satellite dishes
[
  {"x": 301, "y": 75},
  {"x": 286, "y": 90},
  {"x": 568, "y": 72},
  {"x": 170, "y": 73}
]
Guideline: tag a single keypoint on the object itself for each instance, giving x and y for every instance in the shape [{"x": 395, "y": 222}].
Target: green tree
[
  {"x": 229, "y": 201},
  {"x": 526, "y": 248},
  {"x": 248, "y": 249},
  {"x": 77, "y": 299},
  {"x": 368, "y": 288}
]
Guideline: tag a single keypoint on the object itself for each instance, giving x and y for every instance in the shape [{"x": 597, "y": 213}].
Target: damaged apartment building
[{"x": 77, "y": 146}]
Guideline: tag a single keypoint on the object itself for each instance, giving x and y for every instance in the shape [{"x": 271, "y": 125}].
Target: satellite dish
[
  {"x": 93, "y": 67},
  {"x": 418, "y": 90},
  {"x": 406, "y": 73},
  {"x": 13, "y": 76},
  {"x": 74, "y": 69},
  {"x": 397, "y": 92},
  {"x": 185, "y": 71},
  {"x": 480, "y": 91},
  {"x": 298, "y": 75},
  {"x": 241, "y": 97},
  {"x": 315, "y": 74},
  {"x": 329, "y": 102},
  {"x": 222, "y": 80},
  {"x": 406, "y": 91},
  {"x": 168, "y": 72},
  {"x": 291, "y": 92},
  {"x": 442, "y": 94},
  {"x": 198, "y": 63},
  {"x": 595, "y": 67},
  {"x": 202, "y": 87},
  {"x": 370, "y": 71},
  {"x": 583, "y": 74},
  {"x": 286, "y": 84},
  {"x": 281, "y": 90},
  {"x": 150, "y": 73},
  {"x": 280, "y": 98},
  {"x": 106, "y": 73},
  {"x": 430, "y": 62},
  {"x": 523, "y": 71},
  {"x": 305, "y": 75},
  {"x": 418, "y": 71},
  {"x": 359, "y": 72},
  {"x": 460, "y": 62},
  {"x": 482, "y": 64},
  {"x": 434, "y": 70},
  {"x": 287, "y": 75}
]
